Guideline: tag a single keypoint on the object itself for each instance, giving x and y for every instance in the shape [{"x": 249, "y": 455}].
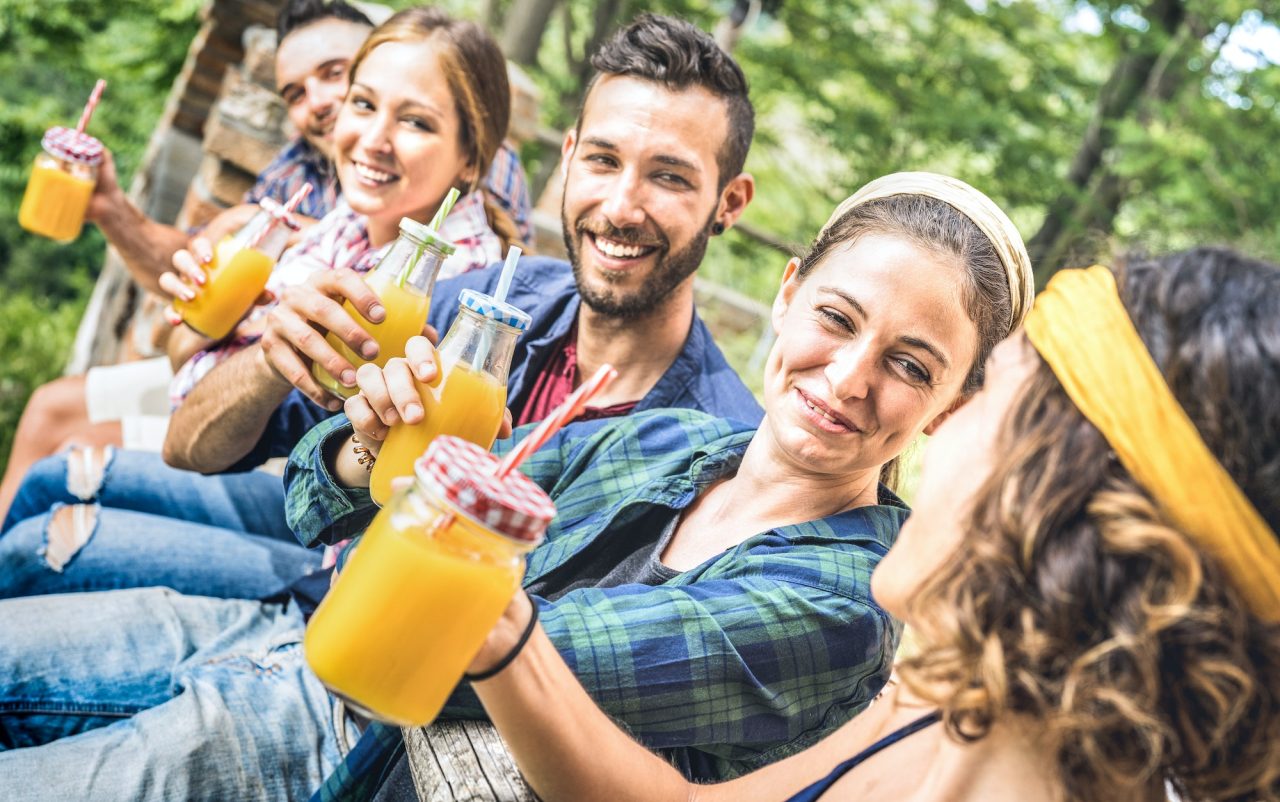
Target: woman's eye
[
  {"x": 419, "y": 123},
  {"x": 914, "y": 371},
  {"x": 835, "y": 318},
  {"x": 362, "y": 104}
]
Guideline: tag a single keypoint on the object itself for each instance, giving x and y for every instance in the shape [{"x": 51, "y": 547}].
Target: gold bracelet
[{"x": 363, "y": 455}]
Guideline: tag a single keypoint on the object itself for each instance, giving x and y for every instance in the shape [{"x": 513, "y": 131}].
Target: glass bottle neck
[
  {"x": 480, "y": 343},
  {"x": 266, "y": 234},
  {"x": 417, "y": 262}
]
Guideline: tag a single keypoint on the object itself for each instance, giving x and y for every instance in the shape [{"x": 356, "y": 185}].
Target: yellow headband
[
  {"x": 971, "y": 203},
  {"x": 1084, "y": 333}
]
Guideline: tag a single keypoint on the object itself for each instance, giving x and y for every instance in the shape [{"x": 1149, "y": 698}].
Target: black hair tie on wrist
[{"x": 515, "y": 650}]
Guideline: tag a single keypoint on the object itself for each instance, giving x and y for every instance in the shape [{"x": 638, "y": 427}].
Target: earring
[{"x": 717, "y": 228}]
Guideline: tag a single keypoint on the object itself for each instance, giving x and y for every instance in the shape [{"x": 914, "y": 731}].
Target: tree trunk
[
  {"x": 522, "y": 33},
  {"x": 1119, "y": 98},
  {"x": 490, "y": 15}
]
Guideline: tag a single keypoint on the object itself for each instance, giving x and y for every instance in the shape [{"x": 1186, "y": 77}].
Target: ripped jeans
[
  {"x": 146, "y": 524},
  {"x": 140, "y": 481},
  {"x": 148, "y": 694}
]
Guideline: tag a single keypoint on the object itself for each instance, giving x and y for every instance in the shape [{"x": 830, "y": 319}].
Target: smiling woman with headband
[
  {"x": 733, "y": 563},
  {"x": 1091, "y": 568}
]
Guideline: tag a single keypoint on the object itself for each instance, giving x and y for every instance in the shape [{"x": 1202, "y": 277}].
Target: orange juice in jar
[
  {"x": 470, "y": 393},
  {"x": 403, "y": 282},
  {"x": 426, "y": 583},
  {"x": 242, "y": 264},
  {"x": 62, "y": 180}
]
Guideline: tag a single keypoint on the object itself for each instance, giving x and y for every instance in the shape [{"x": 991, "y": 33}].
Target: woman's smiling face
[
  {"x": 396, "y": 141},
  {"x": 873, "y": 348}
]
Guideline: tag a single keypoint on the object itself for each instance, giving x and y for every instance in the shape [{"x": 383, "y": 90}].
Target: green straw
[
  {"x": 445, "y": 208},
  {"x": 436, "y": 222}
]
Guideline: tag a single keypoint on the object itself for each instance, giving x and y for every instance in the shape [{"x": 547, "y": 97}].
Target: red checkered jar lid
[
  {"x": 461, "y": 473},
  {"x": 71, "y": 145}
]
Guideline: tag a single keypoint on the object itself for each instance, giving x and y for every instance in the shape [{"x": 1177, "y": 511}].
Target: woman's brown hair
[
  {"x": 476, "y": 71},
  {"x": 1075, "y": 602}
]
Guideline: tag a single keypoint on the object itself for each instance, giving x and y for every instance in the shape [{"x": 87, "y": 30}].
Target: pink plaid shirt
[{"x": 341, "y": 239}]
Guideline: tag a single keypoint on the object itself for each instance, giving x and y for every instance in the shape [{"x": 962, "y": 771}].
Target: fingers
[
  {"x": 287, "y": 343},
  {"x": 319, "y": 302},
  {"x": 202, "y": 249},
  {"x": 422, "y": 358},
  {"x": 348, "y": 285},
  {"x": 403, "y": 391},
  {"x": 504, "y": 428},
  {"x": 175, "y": 287},
  {"x": 367, "y": 425},
  {"x": 373, "y": 388},
  {"x": 429, "y": 331},
  {"x": 187, "y": 267}
]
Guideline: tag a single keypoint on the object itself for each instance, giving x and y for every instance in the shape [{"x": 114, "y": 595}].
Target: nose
[
  {"x": 852, "y": 371},
  {"x": 376, "y": 137},
  {"x": 623, "y": 206}
]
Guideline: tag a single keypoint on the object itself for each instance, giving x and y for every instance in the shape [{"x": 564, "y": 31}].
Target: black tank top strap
[{"x": 820, "y": 787}]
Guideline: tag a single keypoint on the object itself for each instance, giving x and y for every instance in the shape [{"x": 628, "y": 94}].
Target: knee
[
  {"x": 69, "y": 529},
  {"x": 43, "y": 545},
  {"x": 57, "y": 404},
  {"x": 75, "y": 474}
]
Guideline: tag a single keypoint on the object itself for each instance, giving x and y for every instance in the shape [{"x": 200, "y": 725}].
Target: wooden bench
[{"x": 463, "y": 760}]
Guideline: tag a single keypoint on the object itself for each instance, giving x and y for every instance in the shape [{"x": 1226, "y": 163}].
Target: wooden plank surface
[{"x": 463, "y": 760}]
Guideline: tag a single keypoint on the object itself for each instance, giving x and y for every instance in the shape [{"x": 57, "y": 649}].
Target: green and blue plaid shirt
[{"x": 748, "y": 658}]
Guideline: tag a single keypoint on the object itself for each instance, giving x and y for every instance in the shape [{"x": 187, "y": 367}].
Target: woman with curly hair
[{"x": 1091, "y": 568}]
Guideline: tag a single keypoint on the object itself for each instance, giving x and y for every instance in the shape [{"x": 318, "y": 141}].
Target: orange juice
[
  {"x": 406, "y": 314},
  {"x": 55, "y": 201},
  {"x": 237, "y": 277},
  {"x": 402, "y": 280},
  {"x": 410, "y": 610},
  {"x": 466, "y": 403}
]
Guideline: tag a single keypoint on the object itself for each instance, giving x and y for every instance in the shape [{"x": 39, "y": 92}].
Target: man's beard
[{"x": 669, "y": 270}]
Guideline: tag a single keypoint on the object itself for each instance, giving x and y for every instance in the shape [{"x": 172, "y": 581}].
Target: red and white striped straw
[
  {"x": 293, "y": 202},
  {"x": 289, "y": 206},
  {"x": 90, "y": 106},
  {"x": 567, "y": 411}
]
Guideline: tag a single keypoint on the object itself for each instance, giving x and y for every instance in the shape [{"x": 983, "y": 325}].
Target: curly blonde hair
[{"x": 1075, "y": 602}]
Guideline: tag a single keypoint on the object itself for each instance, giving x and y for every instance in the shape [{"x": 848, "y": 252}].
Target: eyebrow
[
  {"x": 672, "y": 161},
  {"x": 915, "y": 342},
  {"x": 319, "y": 68},
  {"x": 426, "y": 106}
]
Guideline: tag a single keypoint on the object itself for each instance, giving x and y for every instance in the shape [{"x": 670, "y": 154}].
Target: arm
[
  {"x": 146, "y": 246},
  {"x": 594, "y": 758},
  {"x": 225, "y": 414},
  {"x": 729, "y": 672}
]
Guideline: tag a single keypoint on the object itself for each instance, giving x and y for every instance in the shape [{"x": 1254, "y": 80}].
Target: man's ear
[
  {"x": 786, "y": 292},
  {"x": 734, "y": 199},
  {"x": 567, "y": 148},
  {"x": 933, "y": 425}
]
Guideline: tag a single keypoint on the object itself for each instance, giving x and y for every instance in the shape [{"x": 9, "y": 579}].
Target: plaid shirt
[
  {"x": 752, "y": 656},
  {"x": 341, "y": 240},
  {"x": 292, "y": 167}
]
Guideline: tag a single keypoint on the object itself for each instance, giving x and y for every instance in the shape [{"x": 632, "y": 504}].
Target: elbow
[{"x": 182, "y": 451}]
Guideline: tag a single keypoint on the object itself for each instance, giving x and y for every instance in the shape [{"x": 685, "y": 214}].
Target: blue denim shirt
[{"x": 700, "y": 378}]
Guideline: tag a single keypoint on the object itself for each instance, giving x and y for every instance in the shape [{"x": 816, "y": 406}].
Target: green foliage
[
  {"x": 35, "y": 338},
  {"x": 51, "y": 52}
]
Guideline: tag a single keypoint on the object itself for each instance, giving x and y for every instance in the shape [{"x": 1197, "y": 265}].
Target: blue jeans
[
  {"x": 250, "y": 502},
  {"x": 125, "y": 549},
  {"x": 148, "y": 694},
  {"x": 139, "y": 523}
]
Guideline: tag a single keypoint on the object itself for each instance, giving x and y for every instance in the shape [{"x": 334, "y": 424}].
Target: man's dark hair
[
  {"x": 679, "y": 55},
  {"x": 301, "y": 13}
]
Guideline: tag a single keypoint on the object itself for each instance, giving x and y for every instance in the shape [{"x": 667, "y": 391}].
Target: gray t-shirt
[{"x": 609, "y": 562}]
